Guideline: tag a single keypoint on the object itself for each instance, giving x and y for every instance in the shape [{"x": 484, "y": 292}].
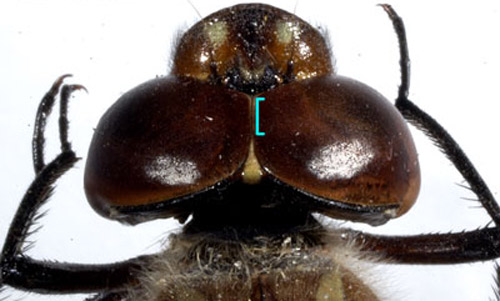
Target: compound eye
[
  {"x": 163, "y": 140},
  {"x": 340, "y": 141}
]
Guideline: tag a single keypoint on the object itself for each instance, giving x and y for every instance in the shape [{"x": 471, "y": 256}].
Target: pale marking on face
[
  {"x": 217, "y": 32},
  {"x": 287, "y": 31},
  {"x": 252, "y": 172}
]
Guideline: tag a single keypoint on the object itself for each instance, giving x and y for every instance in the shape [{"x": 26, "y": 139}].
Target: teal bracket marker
[{"x": 257, "y": 132}]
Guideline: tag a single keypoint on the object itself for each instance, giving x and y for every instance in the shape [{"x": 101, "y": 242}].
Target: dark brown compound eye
[
  {"x": 165, "y": 139},
  {"x": 338, "y": 140},
  {"x": 180, "y": 144}
]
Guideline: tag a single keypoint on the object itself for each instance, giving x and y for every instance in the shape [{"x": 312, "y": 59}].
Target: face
[{"x": 109, "y": 55}]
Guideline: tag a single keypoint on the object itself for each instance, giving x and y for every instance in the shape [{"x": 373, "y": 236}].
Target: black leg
[
  {"x": 434, "y": 130},
  {"x": 64, "y": 278},
  {"x": 44, "y": 110},
  {"x": 36, "y": 195},
  {"x": 479, "y": 245},
  {"x": 20, "y": 271},
  {"x": 63, "y": 115},
  {"x": 451, "y": 248}
]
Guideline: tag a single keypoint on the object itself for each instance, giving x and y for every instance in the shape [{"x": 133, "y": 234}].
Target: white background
[{"x": 112, "y": 46}]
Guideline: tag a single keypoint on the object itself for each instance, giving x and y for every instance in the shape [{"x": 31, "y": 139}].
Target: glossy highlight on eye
[
  {"x": 186, "y": 145},
  {"x": 170, "y": 170},
  {"x": 341, "y": 160}
]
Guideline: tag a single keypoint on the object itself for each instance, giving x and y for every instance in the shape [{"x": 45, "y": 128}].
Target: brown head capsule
[
  {"x": 185, "y": 142},
  {"x": 256, "y": 138}
]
